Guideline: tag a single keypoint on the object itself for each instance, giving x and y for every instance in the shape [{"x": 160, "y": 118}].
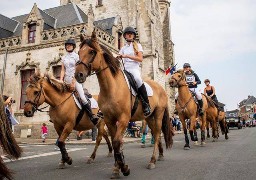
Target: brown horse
[
  {"x": 63, "y": 112},
  {"x": 222, "y": 123},
  {"x": 116, "y": 100},
  {"x": 7, "y": 142},
  {"x": 187, "y": 109}
]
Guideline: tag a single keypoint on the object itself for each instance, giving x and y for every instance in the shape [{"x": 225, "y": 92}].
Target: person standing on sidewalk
[{"x": 44, "y": 132}]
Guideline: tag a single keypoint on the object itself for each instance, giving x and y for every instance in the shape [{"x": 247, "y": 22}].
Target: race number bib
[{"x": 190, "y": 78}]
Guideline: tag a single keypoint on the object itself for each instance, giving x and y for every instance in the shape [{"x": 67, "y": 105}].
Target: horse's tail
[
  {"x": 7, "y": 139},
  {"x": 4, "y": 171},
  {"x": 167, "y": 129}
]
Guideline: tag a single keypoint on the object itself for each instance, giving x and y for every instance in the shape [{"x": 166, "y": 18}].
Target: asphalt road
[{"x": 222, "y": 160}]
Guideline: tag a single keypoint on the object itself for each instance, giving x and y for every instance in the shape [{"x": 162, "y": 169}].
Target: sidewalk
[
  {"x": 78, "y": 142},
  {"x": 70, "y": 142}
]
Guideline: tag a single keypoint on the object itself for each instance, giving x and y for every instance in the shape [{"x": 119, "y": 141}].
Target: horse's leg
[
  {"x": 203, "y": 120},
  {"x": 98, "y": 140},
  {"x": 161, "y": 150},
  {"x": 155, "y": 121},
  {"x": 208, "y": 129},
  {"x": 192, "y": 127},
  {"x": 226, "y": 129},
  {"x": 61, "y": 142},
  {"x": 195, "y": 137},
  {"x": 117, "y": 143},
  {"x": 185, "y": 130},
  {"x": 214, "y": 129}
]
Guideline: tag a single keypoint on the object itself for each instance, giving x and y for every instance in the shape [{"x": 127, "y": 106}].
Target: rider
[
  {"x": 131, "y": 53},
  {"x": 210, "y": 91},
  {"x": 67, "y": 75},
  {"x": 192, "y": 81}
]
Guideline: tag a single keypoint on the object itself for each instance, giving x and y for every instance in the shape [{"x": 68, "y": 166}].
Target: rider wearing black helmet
[
  {"x": 132, "y": 55},
  {"x": 67, "y": 75},
  {"x": 192, "y": 81}
]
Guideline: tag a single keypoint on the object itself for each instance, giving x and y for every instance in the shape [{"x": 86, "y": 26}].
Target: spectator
[
  {"x": 44, "y": 132},
  {"x": 79, "y": 135},
  {"x": 8, "y": 101},
  {"x": 134, "y": 130}
]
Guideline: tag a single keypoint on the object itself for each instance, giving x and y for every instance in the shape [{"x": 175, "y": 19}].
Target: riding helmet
[
  {"x": 71, "y": 41},
  {"x": 129, "y": 29},
  {"x": 186, "y": 65}
]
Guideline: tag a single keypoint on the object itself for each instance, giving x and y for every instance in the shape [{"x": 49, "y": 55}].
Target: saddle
[{"x": 133, "y": 84}]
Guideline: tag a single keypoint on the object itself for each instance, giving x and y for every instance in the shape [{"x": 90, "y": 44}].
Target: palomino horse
[
  {"x": 116, "y": 100},
  {"x": 223, "y": 125},
  {"x": 7, "y": 142},
  {"x": 187, "y": 109},
  {"x": 63, "y": 112}
]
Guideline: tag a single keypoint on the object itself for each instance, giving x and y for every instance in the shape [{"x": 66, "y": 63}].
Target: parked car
[{"x": 234, "y": 122}]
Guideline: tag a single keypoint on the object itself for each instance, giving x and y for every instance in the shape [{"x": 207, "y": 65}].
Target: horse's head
[
  {"x": 90, "y": 55},
  {"x": 94, "y": 58},
  {"x": 178, "y": 79},
  {"x": 35, "y": 95}
]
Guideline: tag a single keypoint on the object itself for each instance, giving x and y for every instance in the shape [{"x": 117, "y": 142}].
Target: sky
[{"x": 217, "y": 37}]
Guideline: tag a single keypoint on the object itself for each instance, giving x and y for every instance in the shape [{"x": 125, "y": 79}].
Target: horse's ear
[
  {"x": 94, "y": 36},
  {"x": 82, "y": 37}
]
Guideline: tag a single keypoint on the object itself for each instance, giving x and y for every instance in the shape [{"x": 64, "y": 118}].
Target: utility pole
[{"x": 3, "y": 73}]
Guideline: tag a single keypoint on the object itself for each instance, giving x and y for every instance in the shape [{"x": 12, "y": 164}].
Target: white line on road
[{"x": 42, "y": 155}]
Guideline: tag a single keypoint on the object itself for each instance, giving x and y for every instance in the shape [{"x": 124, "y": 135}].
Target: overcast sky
[{"x": 217, "y": 37}]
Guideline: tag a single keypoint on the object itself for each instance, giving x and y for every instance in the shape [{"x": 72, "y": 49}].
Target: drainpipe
[{"x": 3, "y": 74}]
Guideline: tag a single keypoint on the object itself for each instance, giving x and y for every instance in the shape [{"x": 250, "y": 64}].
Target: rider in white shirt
[
  {"x": 132, "y": 55},
  {"x": 67, "y": 75}
]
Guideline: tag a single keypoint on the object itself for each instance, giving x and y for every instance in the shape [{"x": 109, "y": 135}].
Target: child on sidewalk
[{"x": 44, "y": 132}]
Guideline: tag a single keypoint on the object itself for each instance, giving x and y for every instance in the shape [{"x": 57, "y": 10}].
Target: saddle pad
[
  {"x": 148, "y": 88},
  {"x": 94, "y": 103}
]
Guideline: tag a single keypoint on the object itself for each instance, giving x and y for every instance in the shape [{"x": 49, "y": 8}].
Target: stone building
[{"x": 35, "y": 40}]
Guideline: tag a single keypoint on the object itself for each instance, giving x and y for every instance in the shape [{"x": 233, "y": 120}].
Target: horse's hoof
[
  {"x": 214, "y": 140},
  {"x": 196, "y": 143},
  {"x": 143, "y": 146},
  {"x": 110, "y": 155},
  {"x": 62, "y": 165},
  {"x": 127, "y": 173},
  {"x": 115, "y": 176},
  {"x": 203, "y": 143},
  {"x": 226, "y": 137},
  {"x": 151, "y": 166},
  {"x": 160, "y": 158},
  {"x": 69, "y": 161},
  {"x": 89, "y": 161},
  {"x": 186, "y": 147}
]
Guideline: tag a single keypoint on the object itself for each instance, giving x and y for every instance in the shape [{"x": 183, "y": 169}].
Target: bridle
[
  {"x": 35, "y": 103},
  {"x": 178, "y": 80},
  {"x": 89, "y": 65}
]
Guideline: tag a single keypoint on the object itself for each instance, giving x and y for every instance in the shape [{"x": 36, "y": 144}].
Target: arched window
[{"x": 25, "y": 74}]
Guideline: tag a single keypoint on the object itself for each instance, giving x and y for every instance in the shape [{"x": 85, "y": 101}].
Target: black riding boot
[
  {"x": 144, "y": 100},
  {"x": 92, "y": 116},
  {"x": 200, "y": 103}
]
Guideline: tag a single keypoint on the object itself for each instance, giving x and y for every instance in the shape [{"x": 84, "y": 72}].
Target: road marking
[{"x": 40, "y": 155}]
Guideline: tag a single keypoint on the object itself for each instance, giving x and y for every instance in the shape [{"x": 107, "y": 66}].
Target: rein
[
  {"x": 185, "y": 105},
  {"x": 35, "y": 104},
  {"x": 89, "y": 65}
]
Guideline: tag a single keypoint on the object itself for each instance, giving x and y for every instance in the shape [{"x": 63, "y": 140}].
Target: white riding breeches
[
  {"x": 195, "y": 90},
  {"x": 136, "y": 74},
  {"x": 80, "y": 90}
]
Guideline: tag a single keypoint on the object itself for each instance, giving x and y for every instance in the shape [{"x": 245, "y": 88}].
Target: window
[
  {"x": 31, "y": 33},
  {"x": 100, "y": 3},
  {"x": 119, "y": 40},
  {"x": 56, "y": 71},
  {"x": 25, "y": 74}
]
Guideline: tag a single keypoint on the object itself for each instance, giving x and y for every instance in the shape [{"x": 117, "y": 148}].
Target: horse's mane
[
  {"x": 55, "y": 83},
  {"x": 210, "y": 101},
  {"x": 112, "y": 62}
]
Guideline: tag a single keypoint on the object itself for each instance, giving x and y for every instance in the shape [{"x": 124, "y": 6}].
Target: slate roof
[
  {"x": 57, "y": 17},
  {"x": 248, "y": 101},
  {"x": 106, "y": 24},
  {"x": 7, "y": 26}
]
